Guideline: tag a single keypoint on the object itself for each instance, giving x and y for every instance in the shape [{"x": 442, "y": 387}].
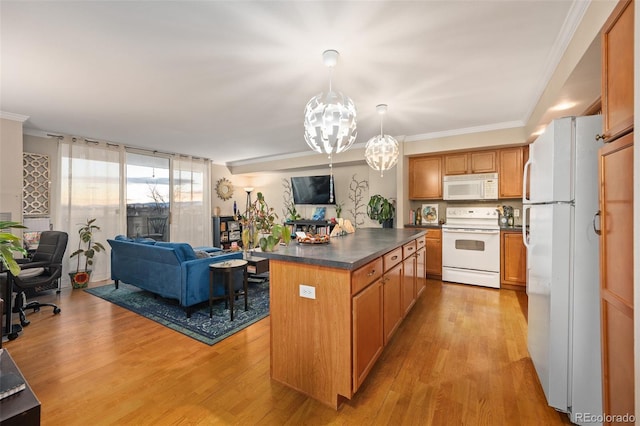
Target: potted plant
[
  {"x": 382, "y": 210},
  {"x": 8, "y": 245},
  {"x": 259, "y": 227},
  {"x": 87, "y": 248}
]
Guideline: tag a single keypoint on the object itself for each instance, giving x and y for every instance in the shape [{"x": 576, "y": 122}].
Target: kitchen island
[{"x": 335, "y": 306}]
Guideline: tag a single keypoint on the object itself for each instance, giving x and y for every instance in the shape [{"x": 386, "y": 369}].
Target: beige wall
[{"x": 11, "y": 168}]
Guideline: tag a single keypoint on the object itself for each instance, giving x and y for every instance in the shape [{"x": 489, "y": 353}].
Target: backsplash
[{"x": 442, "y": 207}]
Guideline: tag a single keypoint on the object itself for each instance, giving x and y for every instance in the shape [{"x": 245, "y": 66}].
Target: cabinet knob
[{"x": 600, "y": 137}]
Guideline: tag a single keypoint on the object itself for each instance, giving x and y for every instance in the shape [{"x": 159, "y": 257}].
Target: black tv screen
[{"x": 312, "y": 190}]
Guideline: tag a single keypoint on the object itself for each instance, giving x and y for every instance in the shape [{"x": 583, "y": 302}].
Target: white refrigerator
[{"x": 563, "y": 264}]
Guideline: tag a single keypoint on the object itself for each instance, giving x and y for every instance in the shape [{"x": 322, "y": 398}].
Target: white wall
[
  {"x": 272, "y": 186},
  {"x": 11, "y": 166}
]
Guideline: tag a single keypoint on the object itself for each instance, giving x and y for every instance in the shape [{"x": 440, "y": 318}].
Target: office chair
[{"x": 39, "y": 273}]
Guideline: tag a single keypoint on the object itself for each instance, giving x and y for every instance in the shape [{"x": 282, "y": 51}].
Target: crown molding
[
  {"x": 465, "y": 131},
  {"x": 13, "y": 117}
]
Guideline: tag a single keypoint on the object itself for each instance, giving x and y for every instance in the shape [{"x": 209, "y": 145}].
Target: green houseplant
[
  {"x": 259, "y": 226},
  {"x": 382, "y": 210},
  {"x": 87, "y": 248},
  {"x": 9, "y": 244}
]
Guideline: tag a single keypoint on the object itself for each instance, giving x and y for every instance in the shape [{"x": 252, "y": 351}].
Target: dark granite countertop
[
  {"x": 408, "y": 225},
  {"x": 347, "y": 252}
]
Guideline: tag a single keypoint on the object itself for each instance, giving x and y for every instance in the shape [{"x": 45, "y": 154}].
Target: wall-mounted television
[{"x": 312, "y": 189}]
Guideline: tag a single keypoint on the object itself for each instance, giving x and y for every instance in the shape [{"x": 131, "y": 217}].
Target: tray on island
[{"x": 312, "y": 241}]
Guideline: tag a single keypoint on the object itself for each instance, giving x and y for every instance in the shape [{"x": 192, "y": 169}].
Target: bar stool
[{"x": 227, "y": 268}]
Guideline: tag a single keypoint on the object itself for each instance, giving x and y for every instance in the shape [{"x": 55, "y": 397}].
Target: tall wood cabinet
[
  {"x": 616, "y": 212},
  {"x": 617, "y": 71},
  {"x": 510, "y": 167}
]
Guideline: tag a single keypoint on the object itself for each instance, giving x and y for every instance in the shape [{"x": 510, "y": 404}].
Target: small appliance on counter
[{"x": 506, "y": 216}]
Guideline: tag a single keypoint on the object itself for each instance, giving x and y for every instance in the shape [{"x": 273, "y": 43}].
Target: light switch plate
[
  {"x": 307, "y": 291},
  {"x": 516, "y": 212}
]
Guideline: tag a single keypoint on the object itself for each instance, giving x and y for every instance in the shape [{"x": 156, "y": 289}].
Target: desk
[
  {"x": 228, "y": 267},
  {"x": 22, "y": 408},
  {"x": 10, "y": 330}
]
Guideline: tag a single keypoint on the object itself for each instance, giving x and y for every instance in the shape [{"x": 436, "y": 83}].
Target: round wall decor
[{"x": 224, "y": 188}]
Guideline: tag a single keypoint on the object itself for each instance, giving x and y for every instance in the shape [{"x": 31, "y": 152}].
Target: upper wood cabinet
[
  {"x": 510, "y": 170},
  {"x": 470, "y": 162},
  {"x": 425, "y": 178},
  {"x": 617, "y": 71}
]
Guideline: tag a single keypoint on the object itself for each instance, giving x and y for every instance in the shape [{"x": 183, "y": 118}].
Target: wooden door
[
  {"x": 421, "y": 271},
  {"x": 425, "y": 178},
  {"x": 514, "y": 260},
  {"x": 368, "y": 339},
  {"x": 434, "y": 253},
  {"x": 456, "y": 164},
  {"x": 616, "y": 274},
  {"x": 392, "y": 311},
  {"x": 483, "y": 162},
  {"x": 510, "y": 172},
  {"x": 617, "y": 71},
  {"x": 408, "y": 284}
]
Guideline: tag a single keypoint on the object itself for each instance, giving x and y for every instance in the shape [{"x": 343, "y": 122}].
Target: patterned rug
[{"x": 200, "y": 327}]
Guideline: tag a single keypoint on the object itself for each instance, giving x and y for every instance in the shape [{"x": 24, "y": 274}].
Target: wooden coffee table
[{"x": 256, "y": 266}]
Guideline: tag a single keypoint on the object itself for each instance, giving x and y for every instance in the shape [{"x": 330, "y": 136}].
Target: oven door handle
[{"x": 471, "y": 231}]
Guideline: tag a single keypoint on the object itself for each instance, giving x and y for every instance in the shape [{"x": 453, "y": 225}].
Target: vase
[{"x": 80, "y": 279}]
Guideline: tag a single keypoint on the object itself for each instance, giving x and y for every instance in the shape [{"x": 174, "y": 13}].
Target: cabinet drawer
[
  {"x": 392, "y": 258},
  {"x": 362, "y": 277},
  {"x": 408, "y": 249},
  {"x": 420, "y": 243}
]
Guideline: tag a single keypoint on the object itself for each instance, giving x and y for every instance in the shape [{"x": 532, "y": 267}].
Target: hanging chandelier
[
  {"x": 330, "y": 119},
  {"x": 381, "y": 152}
]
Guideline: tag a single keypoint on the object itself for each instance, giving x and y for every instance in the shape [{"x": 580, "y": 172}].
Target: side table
[
  {"x": 228, "y": 267},
  {"x": 22, "y": 408}
]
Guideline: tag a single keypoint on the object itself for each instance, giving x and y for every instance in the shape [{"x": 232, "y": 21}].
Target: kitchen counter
[
  {"x": 350, "y": 251},
  {"x": 410, "y": 226},
  {"x": 328, "y": 313}
]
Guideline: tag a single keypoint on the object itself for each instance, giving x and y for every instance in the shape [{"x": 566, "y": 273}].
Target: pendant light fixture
[
  {"x": 381, "y": 152},
  {"x": 330, "y": 119}
]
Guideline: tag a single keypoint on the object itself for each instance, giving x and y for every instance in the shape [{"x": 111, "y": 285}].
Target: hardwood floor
[{"x": 459, "y": 358}]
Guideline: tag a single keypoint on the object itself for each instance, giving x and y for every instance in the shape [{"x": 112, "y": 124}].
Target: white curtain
[
  {"x": 191, "y": 201},
  {"x": 90, "y": 187}
]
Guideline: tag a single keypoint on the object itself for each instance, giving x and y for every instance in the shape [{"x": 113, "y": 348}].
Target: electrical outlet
[
  {"x": 516, "y": 212},
  {"x": 307, "y": 291}
]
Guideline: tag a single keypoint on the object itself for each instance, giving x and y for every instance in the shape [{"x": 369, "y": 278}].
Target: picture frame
[
  {"x": 233, "y": 225},
  {"x": 234, "y": 235},
  {"x": 429, "y": 214}
]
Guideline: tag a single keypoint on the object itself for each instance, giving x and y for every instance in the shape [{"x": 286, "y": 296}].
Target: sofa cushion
[
  {"x": 141, "y": 240},
  {"x": 122, "y": 238},
  {"x": 184, "y": 251},
  {"x": 200, "y": 254}
]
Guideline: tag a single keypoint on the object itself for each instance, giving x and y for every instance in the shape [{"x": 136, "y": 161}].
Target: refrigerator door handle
[
  {"x": 525, "y": 237},
  {"x": 525, "y": 180},
  {"x": 596, "y": 230}
]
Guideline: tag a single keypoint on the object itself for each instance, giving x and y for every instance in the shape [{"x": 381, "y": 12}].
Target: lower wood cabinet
[
  {"x": 392, "y": 306},
  {"x": 434, "y": 252},
  {"x": 513, "y": 260},
  {"x": 408, "y": 284},
  {"x": 421, "y": 271},
  {"x": 368, "y": 335}
]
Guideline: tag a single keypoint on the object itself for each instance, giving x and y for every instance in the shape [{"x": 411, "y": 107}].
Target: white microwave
[{"x": 482, "y": 186}]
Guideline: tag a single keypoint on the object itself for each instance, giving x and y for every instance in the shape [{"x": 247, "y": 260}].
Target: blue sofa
[{"x": 170, "y": 270}]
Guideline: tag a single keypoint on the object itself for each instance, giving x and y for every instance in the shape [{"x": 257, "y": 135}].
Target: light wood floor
[{"x": 460, "y": 357}]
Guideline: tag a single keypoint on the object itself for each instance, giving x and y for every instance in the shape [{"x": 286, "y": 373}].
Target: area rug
[{"x": 199, "y": 326}]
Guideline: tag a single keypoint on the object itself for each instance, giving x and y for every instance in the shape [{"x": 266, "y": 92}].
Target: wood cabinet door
[
  {"x": 408, "y": 284},
  {"x": 421, "y": 271},
  {"x": 456, "y": 164},
  {"x": 617, "y": 71},
  {"x": 514, "y": 260},
  {"x": 434, "y": 253},
  {"x": 483, "y": 162},
  {"x": 425, "y": 178},
  {"x": 368, "y": 338},
  {"x": 392, "y": 299},
  {"x": 616, "y": 274},
  {"x": 511, "y": 167}
]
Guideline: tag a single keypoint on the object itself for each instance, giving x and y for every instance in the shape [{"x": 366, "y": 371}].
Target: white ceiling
[{"x": 228, "y": 80}]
